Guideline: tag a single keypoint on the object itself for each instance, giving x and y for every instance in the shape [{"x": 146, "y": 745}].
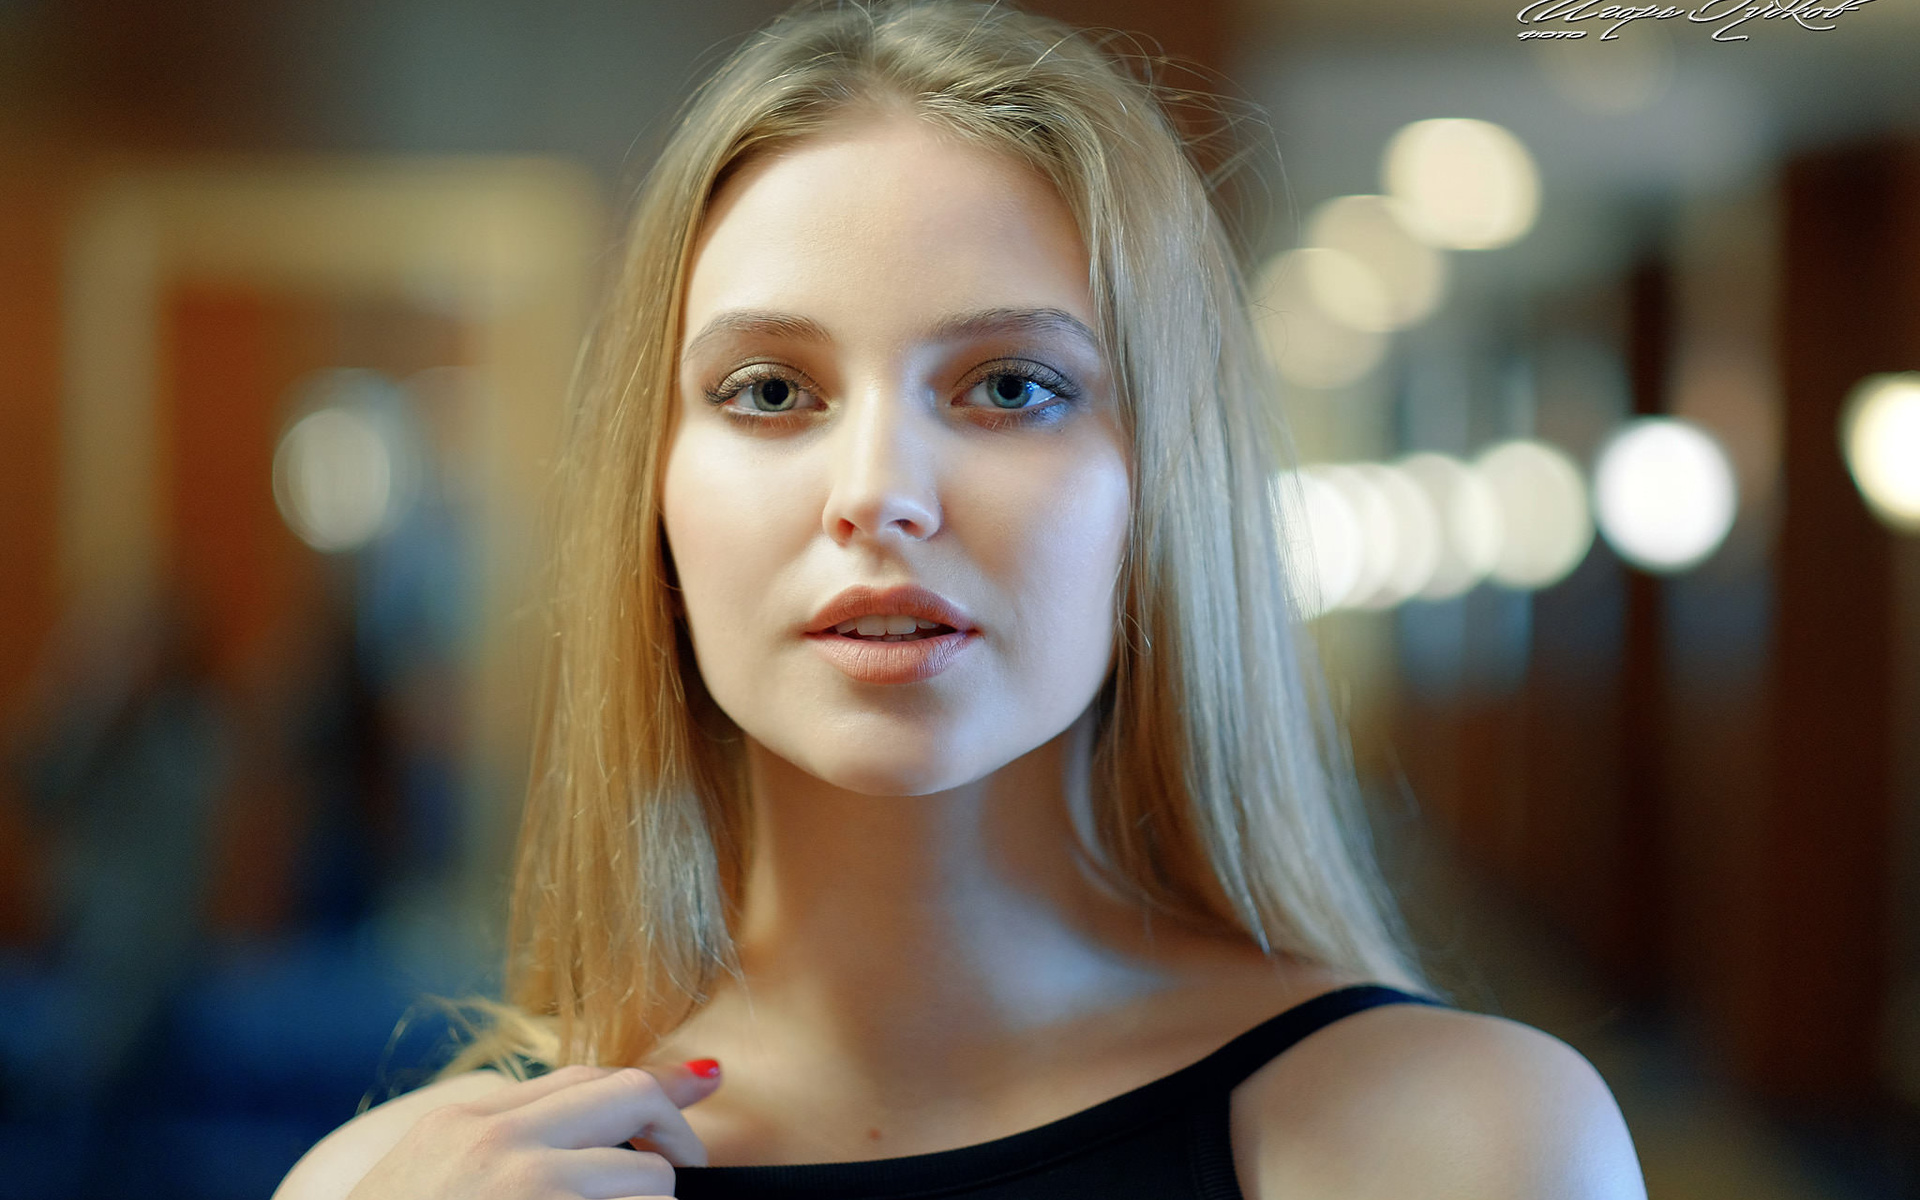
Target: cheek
[
  {"x": 726, "y": 543},
  {"x": 1059, "y": 540},
  {"x": 693, "y": 524}
]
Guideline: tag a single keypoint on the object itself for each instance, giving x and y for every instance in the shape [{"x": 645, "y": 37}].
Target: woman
[{"x": 926, "y": 740}]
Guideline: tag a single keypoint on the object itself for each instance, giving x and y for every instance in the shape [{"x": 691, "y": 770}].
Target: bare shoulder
[
  {"x": 338, "y": 1161},
  {"x": 1408, "y": 1100}
]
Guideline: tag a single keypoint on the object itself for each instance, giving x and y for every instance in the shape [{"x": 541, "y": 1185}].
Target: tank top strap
[
  {"x": 1165, "y": 1139},
  {"x": 1230, "y": 1065}
]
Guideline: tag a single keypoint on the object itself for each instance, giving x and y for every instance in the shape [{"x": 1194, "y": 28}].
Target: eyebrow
[{"x": 960, "y": 327}]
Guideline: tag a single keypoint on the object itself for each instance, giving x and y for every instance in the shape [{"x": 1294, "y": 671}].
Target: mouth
[
  {"x": 889, "y": 629},
  {"x": 871, "y": 641},
  {"x": 900, "y": 613}
]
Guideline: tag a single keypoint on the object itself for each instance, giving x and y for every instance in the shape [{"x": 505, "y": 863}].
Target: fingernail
[{"x": 705, "y": 1068}]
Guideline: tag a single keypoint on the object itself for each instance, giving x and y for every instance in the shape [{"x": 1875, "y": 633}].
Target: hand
[{"x": 557, "y": 1137}]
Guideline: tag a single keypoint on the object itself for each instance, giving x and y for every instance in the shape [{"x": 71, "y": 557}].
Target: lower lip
[{"x": 891, "y": 662}]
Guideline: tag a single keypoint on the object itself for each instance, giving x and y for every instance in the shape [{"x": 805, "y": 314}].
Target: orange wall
[{"x": 32, "y": 218}]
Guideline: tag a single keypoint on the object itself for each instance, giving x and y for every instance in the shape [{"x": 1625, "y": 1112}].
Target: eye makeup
[{"x": 783, "y": 385}]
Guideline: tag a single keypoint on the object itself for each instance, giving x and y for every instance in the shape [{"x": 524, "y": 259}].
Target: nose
[{"x": 884, "y": 474}]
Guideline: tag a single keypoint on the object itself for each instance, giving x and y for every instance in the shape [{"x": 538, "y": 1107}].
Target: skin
[
  {"x": 926, "y": 963},
  {"x": 916, "y": 898}
]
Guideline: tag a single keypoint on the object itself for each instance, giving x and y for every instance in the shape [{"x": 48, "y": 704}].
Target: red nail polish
[{"x": 705, "y": 1068}]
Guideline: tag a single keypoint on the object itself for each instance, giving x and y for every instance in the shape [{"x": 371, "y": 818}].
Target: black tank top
[{"x": 1167, "y": 1139}]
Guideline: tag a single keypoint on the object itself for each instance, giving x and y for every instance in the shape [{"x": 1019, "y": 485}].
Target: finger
[
  {"x": 684, "y": 1085},
  {"x": 602, "y": 1174},
  {"x": 689, "y": 1082},
  {"x": 626, "y": 1104},
  {"x": 526, "y": 1091}
]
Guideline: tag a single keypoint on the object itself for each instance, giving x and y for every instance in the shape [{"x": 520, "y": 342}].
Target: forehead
[{"x": 887, "y": 221}]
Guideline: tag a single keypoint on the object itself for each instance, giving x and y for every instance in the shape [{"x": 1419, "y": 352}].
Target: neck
[{"x": 956, "y": 918}]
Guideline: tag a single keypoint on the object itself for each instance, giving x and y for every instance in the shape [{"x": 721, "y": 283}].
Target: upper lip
[{"x": 906, "y": 601}]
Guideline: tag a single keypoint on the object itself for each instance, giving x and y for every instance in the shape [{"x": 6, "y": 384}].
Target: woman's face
[{"x": 888, "y": 379}]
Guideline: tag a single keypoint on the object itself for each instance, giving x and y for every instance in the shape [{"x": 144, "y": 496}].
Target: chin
[
  {"x": 893, "y": 757},
  {"x": 895, "y": 772}
]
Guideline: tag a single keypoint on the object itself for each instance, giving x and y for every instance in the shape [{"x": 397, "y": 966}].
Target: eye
[
  {"x": 1023, "y": 391},
  {"x": 764, "y": 390},
  {"x": 771, "y": 395},
  {"x": 1012, "y": 391}
]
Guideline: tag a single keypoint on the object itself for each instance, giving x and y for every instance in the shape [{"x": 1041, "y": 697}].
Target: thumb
[{"x": 690, "y": 1082}]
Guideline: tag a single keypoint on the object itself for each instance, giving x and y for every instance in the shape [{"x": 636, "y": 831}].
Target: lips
[
  {"x": 903, "y": 601},
  {"x": 866, "y": 660}
]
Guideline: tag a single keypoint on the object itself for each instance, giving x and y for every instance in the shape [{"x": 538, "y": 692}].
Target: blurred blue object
[
  {"x": 264, "y": 1050},
  {"x": 126, "y": 774}
]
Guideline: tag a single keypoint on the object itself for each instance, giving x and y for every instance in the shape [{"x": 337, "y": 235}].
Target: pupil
[
  {"x": 775, "y": 392},
  {"x": 1009, "y": 387}
]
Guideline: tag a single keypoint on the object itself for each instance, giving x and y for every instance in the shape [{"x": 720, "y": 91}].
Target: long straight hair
[{"x": 1221, "y": 793}]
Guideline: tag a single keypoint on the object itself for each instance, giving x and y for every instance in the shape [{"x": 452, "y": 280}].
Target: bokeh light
[
  {"x": 1545, "y": 521},
  {"x": 1469, "y": 522},
  {"x": 1463, "y": 184},
  {"x": 1377, "y": 546},
  {"x": 1309, "y": 348},
  {"x": 1347, "y": 290},
  {"x": 1409, "y": 274},
  {"x": 1374, "y": 535},
  {"x": 333, "y": 479},
  {"x": 1880, "y": 433},
  {"x": 1664, "y": 493},
  {"x": 1411, "y": 553},
  {"x": 1321, "y": 533}
]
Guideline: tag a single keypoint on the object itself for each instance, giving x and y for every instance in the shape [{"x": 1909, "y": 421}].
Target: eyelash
[{"x": 1049, "y": 380}]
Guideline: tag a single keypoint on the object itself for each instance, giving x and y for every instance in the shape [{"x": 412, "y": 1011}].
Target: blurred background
[{"x": 1599, "y": 353}]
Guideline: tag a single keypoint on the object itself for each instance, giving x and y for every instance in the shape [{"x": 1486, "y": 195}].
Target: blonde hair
[{"x": 1221, "y": 793}]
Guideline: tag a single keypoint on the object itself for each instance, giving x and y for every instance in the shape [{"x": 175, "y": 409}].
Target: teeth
[{"x": 878, "y": 625}]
